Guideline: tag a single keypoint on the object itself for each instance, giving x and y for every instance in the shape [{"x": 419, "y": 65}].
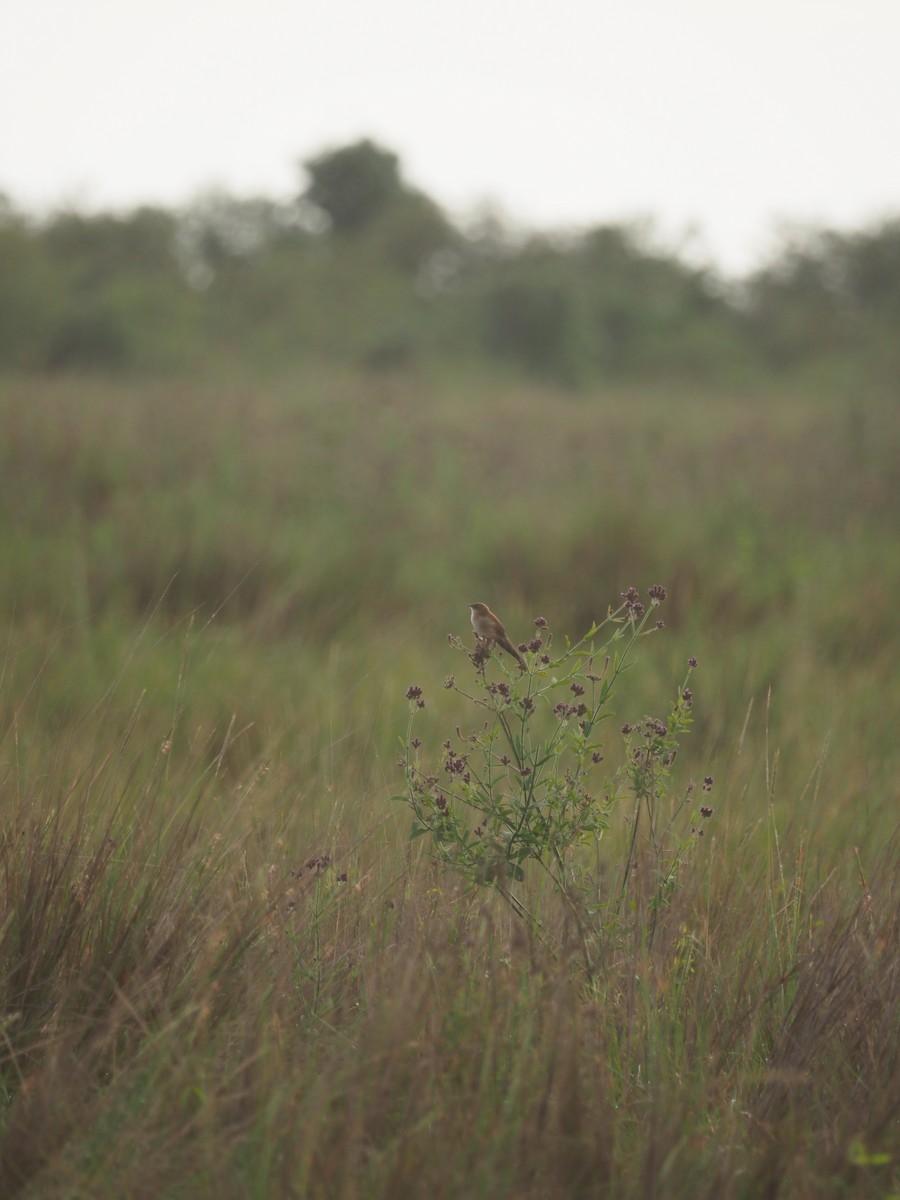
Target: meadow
[{"x": 228, "y": 971}]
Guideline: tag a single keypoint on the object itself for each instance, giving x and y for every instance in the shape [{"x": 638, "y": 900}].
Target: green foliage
[
  {"x": 364, "y": 269},
  {"x": 529, "y": 323},
  {"x": 827, "y": 294},
  {"x": 354, "y": 184}
]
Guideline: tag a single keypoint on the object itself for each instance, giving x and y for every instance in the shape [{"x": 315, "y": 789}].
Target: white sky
[{"x": 722, "y": 114}]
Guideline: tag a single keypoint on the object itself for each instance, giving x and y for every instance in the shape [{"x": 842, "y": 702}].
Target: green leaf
[{"x": 859, "y": 1156}]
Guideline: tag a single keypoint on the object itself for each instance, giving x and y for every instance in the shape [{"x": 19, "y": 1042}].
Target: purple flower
[{"x": 633, "y": 605}]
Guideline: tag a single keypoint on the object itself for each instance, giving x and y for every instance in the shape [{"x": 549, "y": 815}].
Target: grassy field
[{"x": 226, "y": 969}]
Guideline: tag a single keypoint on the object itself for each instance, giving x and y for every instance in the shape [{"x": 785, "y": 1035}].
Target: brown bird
[{"x": 490, "y": 628}]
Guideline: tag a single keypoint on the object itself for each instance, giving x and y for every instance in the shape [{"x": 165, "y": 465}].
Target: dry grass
[
  {"x": 226, "y": 972},
  {"x": 185, "y": 1017}
]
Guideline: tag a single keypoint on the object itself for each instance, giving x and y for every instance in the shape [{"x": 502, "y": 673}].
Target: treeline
[{"x": 362, "y": 267}]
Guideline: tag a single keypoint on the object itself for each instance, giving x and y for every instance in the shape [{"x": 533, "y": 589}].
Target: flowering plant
[{"x": 528, "y": 784}]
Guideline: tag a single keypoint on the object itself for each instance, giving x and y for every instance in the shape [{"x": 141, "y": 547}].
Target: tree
[{"x": 354, "y": 184}]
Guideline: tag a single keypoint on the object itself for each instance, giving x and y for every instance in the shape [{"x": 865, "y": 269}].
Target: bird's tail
[{"x": 511, "y": 649}]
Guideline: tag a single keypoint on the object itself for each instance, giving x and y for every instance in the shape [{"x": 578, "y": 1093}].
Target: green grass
[{"x": 225, "y": 969}]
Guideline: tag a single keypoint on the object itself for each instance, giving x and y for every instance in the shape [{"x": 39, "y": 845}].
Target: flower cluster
[
  {"x": 564, "y": 711},
  {"x": 657, "y": 744},
  {"x": 480, "y": 655},
  {"x": 633, "y": 606},
  {"x": 455, "y": 764}
]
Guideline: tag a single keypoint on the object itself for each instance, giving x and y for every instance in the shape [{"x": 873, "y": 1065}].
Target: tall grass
[{"x": 225, "y": 969}]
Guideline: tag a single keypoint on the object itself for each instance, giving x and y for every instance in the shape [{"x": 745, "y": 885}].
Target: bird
[{"x": 489, "y": 627}]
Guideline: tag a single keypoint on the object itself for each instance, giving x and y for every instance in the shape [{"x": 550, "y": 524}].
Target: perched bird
[{"x": 490, "y": 629}]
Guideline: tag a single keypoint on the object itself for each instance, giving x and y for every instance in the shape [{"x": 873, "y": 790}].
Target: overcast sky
[{"x": 724, "y": 115}]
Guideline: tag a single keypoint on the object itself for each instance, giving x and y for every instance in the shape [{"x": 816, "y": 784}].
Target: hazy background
[{"x": 713, "y": 117}]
